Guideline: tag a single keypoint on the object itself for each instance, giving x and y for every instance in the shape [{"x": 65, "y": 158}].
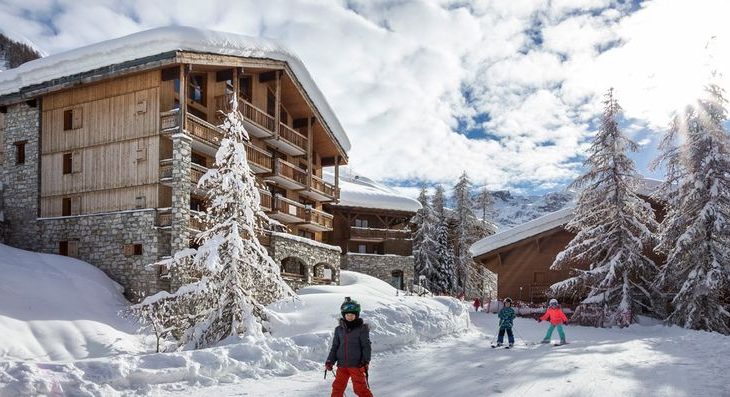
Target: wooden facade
[
  {"x": 523, "y": 267},
  {"x": 371, "y": 231},
  {"x": 107, "y": 145}
]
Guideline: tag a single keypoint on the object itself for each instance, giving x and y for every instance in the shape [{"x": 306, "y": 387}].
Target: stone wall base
[{"x": 381, "y": 266}]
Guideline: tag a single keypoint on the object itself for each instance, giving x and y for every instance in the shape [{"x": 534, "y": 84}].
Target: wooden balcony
[
  {"x": 320, "y": 190},
  {"x": 196, "y": 172},
  {"x": 258, "y": 159},
  {"x": 169, "y": 121},
  {"x": 257, "y": 122},
  {"x": 371, "y": 234},
  {"x": 164, "y": 218},
  {"x": 288, "y": 211},
  {"x": 288, "y": 175},
  {"x": 166, "y": 171},
  {"x": 289, "y": 141},
  {"x": 266, "y": 200},
  {"x": 317, "y": 221},
  {"x": 196, "y": 222}
]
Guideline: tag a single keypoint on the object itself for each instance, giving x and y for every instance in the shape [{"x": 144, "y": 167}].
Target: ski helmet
[
  {"x": 507, "y": 300},
  {"x": 350, "y": 306},
  {"x": 553, "y": 302}
]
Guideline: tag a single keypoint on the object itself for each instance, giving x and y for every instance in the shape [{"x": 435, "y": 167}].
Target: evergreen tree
[
  {"x": 443, "y": 281},
  {"x": 484, "y": 202},
  {"x": 613, "y": 229},
  {"x": 232, "y": 278},
  {"x": 695, "y": 235},
  {"x": 424, "y": 242},
  {"x": 466, "y": 230}
]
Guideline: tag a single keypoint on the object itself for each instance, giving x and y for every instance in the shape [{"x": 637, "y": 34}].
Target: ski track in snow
[{"x": 638, "y": 361}]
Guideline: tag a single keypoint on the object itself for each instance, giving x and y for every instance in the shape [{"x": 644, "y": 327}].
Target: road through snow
[{"x": 638, "y": 361}]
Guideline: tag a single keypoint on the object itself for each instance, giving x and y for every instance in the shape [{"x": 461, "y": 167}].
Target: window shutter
[
  {"x": 140, "y": 202},
  {"x": 78, "y": 117},
  {"x": 73, "y": 249},
  {"x": 76, "y": 162},
  {"x": 75, "y": 205},
  {"x": 128, "y": 249},
  {"x": 141, "y": 150},
  {"x": 141, "y": 107}
]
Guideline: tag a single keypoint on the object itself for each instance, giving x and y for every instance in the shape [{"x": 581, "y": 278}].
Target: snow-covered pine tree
[
  {"x": 424, "y": 243},
  {"x": 695, "y": 235},
  {"x": 614, "y": 228},
  {"x": 233, "y": 277},
  {"x": 466, "y": 230},
  {"x": 444, "y": 278},
  {"x": 484, "y": 202}
]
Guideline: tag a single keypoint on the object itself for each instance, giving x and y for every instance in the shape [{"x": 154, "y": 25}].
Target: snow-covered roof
[
  {"x": 523, "y": 231},
  {"x": 359, "y": 191},
  {"x": 162, "y": 40},
  {"x": 550, "y": 221}
]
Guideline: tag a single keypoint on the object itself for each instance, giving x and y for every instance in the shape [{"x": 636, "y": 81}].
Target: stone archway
[
  {"x": 325, "y": 273},
  {"x": 293, "y": 267}
]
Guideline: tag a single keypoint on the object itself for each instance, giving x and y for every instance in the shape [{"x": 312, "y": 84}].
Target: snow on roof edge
[
  {"x": 362, "y": 192},
  {"x": 160, "y": 40},
  {"x": 521, "y": 232}
]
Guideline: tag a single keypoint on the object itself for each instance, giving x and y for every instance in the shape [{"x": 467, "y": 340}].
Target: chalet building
[
  {"x": 371, "y": 227},
  {"x": 102, "y": 147},
  {"x": 521, "y": 257}
]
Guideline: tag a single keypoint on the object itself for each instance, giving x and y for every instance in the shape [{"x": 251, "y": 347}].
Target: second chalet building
[{"x": 102, "y": 148}]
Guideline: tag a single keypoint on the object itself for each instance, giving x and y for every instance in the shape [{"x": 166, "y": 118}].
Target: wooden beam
[
  {"x": 277, "y": 107},
  {"x": 182, "y": 98},
  {"x": 337, "y": 178},
  {"x": 309, "y": 154},
  {"x": 236, "y": 84}
]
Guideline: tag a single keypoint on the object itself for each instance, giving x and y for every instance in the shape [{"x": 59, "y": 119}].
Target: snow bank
[
  {"x": 300, "y": 340},
  {"x": 58, "y": 308}
]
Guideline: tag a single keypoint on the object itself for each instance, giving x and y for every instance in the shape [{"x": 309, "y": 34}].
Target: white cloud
[{"x": 395, "y": 71}]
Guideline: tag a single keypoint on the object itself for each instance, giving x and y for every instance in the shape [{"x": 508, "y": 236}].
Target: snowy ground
[
  {"x": 61, "y": 336},
  {"x": 639, "y": 361}
]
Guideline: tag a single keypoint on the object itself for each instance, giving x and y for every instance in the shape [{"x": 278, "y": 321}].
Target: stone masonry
[
  {"x": 22, "y": 181},
  {"x": 315, "y": 257},
  {"x": 380, "y": 266},
  {"x": 101, "y": 239}
]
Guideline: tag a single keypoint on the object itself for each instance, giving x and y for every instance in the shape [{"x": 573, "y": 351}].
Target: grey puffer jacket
[{"x": 350, "y": 346}]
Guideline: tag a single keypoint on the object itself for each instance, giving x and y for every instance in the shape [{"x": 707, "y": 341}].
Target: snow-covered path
[{"x": 639, "y": 361}]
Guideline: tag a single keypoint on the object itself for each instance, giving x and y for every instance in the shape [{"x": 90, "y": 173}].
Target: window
[
  {"x": 362, "y": 248},
  {"x": 132, "y": 249},
  {"x": 283, "y": 115},
  {"x": 68, "y": 248},
  {"x": 66, "y": 206},
  {"x": 197, "y": 204},
  {"x": 72, "y": 119},
  {"x": 306, "y": 234},
  {"x": 196, "y": 88},
  {"x": 246, "y": 88},
  {"x": 20, "y": 152},
  {"x": 198, "y": 159},
  {"x": 67, "y": 163},
  {"x": 539, "y": 278},
  {"x": 140, "y": 202},
  {"x": 361, "y": 223}
]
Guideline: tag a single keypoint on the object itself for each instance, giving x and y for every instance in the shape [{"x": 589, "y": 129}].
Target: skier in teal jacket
[{"x": 506, "y": 315}]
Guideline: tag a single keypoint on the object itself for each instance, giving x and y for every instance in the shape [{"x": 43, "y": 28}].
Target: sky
[{"x": 507, "y": 90}]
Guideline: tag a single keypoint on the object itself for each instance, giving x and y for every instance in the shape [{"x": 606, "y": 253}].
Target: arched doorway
[
  {"x": 293, "y": 267},
  {"x": 324, "y": 273}
]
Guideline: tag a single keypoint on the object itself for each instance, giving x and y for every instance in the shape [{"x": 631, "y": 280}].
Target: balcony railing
[
  {"x": 324, "y": 187},
  {"x": 169, "y": 120},
  {"x": 258, "y": 156},
  {"x": 250, "y": 112},
  {"x": 292, "y": 136},
  {"x": 379, "y": 234},
  {"x": 196, "y": 172},
  {"x": 289, "y": 207},
  {"x": 266, "y": 200},
  {"x": 319, "y": 218},
  {"x": 196, "y": 222},
  {"x": 164, "y": 218},
  {"x": 166, "y": 169},
  {"x": 290, "y": 171},
  {"x": 204, "y": 130}
]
